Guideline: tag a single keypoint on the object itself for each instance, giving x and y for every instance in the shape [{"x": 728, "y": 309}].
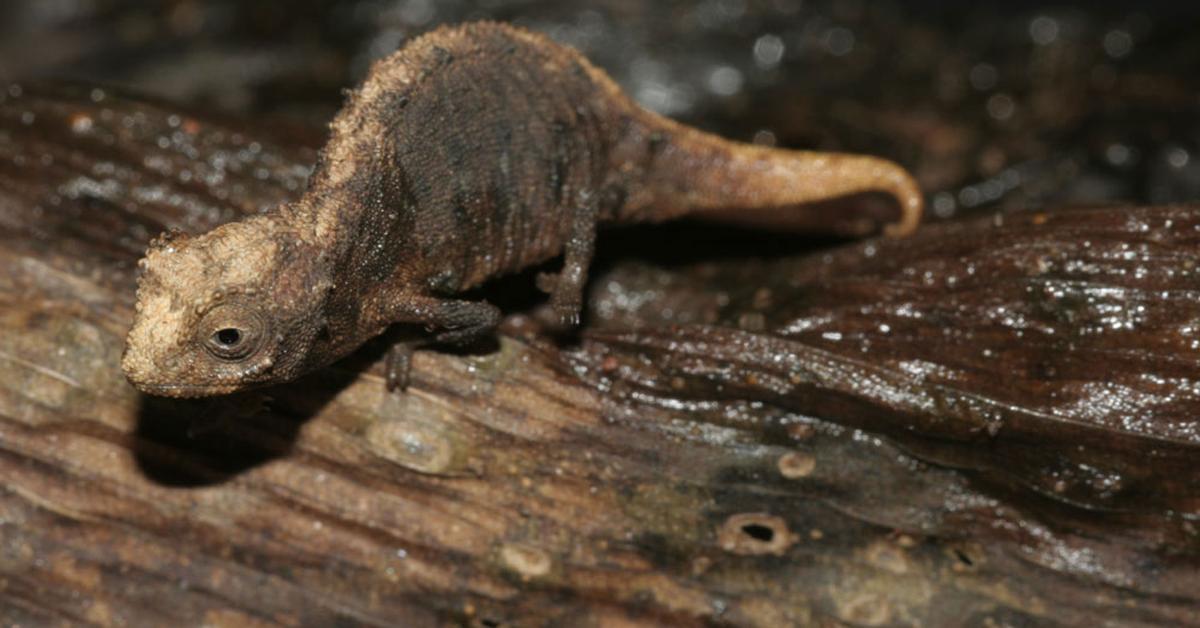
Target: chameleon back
[{"x": 488, "y": 137}]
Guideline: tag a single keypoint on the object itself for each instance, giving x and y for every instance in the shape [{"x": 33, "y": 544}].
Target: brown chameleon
[{"x": 475, "y": 151}]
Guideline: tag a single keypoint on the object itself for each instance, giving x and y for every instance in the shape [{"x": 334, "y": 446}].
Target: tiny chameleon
[{"x": 474, "y": 151}]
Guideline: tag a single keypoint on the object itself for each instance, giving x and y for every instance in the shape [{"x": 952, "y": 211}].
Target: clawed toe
[
  {"x": 397, "y": 381},
  {"x": 398, "y": 366},
  {"x": 568, "y": 315}
]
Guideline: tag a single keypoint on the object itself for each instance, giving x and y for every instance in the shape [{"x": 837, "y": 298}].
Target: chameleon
[{"x": 474, "y": 151}]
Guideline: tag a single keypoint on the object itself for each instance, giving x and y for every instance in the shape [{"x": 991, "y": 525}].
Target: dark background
[{"x": 1012, "y": 104}]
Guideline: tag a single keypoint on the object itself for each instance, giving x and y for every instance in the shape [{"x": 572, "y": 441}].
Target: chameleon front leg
[
  {"x": 457, "y": 322},
  {"x": 566, "y": 287}
]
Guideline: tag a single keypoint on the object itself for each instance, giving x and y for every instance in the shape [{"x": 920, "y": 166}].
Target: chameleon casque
[{"x": 474, "y": 151}]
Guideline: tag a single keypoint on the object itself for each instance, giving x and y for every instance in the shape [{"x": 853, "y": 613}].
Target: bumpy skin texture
[{"x": 475, "y": 151}]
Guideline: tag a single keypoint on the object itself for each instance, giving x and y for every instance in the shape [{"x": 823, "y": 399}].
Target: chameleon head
[{"x": 220, "y": 312}]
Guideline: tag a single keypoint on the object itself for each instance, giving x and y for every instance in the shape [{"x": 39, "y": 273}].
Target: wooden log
[{"x": 989, "y": 423}]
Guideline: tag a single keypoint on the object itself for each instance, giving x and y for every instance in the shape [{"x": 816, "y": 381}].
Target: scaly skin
[{"x": 475, "y": 151}]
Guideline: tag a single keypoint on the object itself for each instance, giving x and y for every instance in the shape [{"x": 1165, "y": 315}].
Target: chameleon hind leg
[
  {"x": 452, "y": 321},
  {"x": 566, "y": 287}
]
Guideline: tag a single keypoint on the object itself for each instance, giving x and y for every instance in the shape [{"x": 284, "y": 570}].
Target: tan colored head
[{"x": 231, "y": 309}]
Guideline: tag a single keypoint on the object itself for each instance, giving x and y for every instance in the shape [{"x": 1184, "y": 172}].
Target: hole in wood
[
  {"x": 759, "y": 532},
  {"x": 967, "y": 557},
  {"x": 755, "y": 533}
]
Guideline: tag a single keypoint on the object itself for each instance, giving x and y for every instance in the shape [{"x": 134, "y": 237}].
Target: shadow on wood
[{"x": 990, "y": 422}]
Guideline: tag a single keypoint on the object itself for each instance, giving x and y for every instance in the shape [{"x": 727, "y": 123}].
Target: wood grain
[{"x": 846, "y": 438}]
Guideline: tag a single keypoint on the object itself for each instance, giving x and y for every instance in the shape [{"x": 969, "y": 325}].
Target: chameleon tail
[{"x": 695, "y": 171}]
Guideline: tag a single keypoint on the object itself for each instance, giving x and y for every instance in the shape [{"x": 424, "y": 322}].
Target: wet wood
[{"x": 990, "y": 422}]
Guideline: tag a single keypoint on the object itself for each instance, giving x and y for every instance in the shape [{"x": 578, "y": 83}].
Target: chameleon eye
[
  {"x": 230, "y": 343},
  {"x": 228, "y": 339},
  {"x": 233, "y": 335}
]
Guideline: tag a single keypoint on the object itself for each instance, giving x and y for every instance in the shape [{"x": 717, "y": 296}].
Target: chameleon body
[{"x": 474, "y": 151}]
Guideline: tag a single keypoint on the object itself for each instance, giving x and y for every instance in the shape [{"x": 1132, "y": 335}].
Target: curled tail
[{"x": 691, "y": 170}]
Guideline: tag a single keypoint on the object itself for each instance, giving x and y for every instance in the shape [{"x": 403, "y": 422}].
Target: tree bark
[{"x": 992, "y": 422}]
